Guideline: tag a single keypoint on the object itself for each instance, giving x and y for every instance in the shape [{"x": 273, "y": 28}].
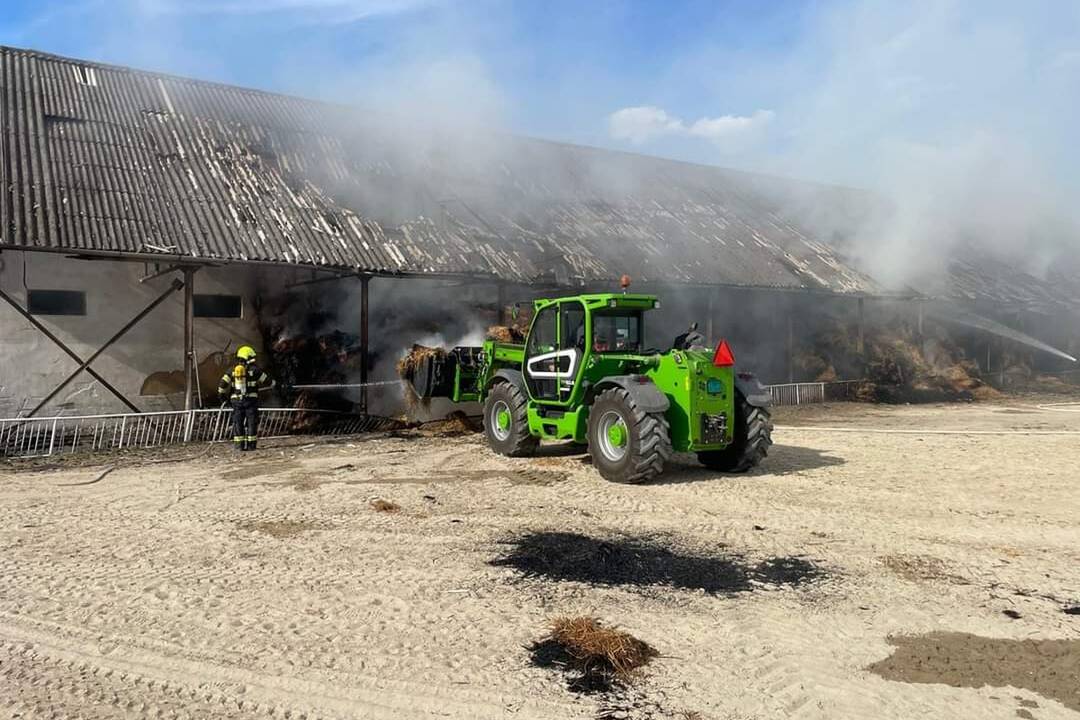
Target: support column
[
  {"x": 364, "y": 282},
  {"x": 500, "y": 294},
  {"x": 710, "y": 312},
  {"x": 189, "y": 335},
  {"x": 860, "y": 346},
  {"x": 790, "y": 344},
  {"x": 922, "y": 313}
]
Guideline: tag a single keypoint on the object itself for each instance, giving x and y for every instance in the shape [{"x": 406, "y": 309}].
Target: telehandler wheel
[
  {"x": 506, "y": 421},
  {"x": 753, "y": 436},
  {"x": 627, "y": 445}
]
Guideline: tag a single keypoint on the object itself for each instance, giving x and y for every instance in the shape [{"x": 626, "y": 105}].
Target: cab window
[
  {"x": 573, "y": 326},
  {"x": 617, "y": 331},
  {"x": 544, "y": 337}
]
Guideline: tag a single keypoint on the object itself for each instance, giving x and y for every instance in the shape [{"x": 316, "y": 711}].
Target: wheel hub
[
  {"x": 612, "y": 436},
  {"x": 617, "y": 435},
  {"x": 499, "y": 420}
]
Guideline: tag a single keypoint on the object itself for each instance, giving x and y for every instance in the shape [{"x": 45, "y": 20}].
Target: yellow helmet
[{"x": 246, "y": 352}]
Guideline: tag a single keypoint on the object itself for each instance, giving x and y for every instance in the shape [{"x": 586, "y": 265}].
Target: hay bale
[
  {"x": 596, "y": 649},
  {"x": 406, "y": 370},
  {"x": 505, "y": 334},
  {"x": 408, "y": 364}
]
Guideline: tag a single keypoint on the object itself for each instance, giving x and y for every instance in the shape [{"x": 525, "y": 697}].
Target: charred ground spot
[
  {"x": 552, "y": 655},
  {"x": 648, "y": 562}
]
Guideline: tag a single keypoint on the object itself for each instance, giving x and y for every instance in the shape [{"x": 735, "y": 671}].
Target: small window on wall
[
  {"x": 218, "y": 306},
  {"x": 56, "y": 302}
]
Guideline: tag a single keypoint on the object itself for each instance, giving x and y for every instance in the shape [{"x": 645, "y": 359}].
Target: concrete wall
[{"x": 149, "y": 358}]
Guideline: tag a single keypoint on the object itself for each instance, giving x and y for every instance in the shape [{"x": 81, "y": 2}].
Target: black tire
[
  {"x": 753, "y": 436},
  {"x": 648, "y": 439},
  {"x": 515, "y": 441}
]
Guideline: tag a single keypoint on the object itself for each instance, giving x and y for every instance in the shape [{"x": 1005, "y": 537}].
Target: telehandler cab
[{"x": 585, "y": 374}]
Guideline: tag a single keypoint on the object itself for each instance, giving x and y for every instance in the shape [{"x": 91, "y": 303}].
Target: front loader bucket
[
  {"x": 430, "y": 372},
  {"x": 437, "y": 373}
]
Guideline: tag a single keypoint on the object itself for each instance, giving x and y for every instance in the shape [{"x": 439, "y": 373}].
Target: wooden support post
[
  {"x": 500, "y": 294},
  {"x": 365, "y": 280},
  {"x": 860, "y": 346},
  {"x": 710, "y": 312},
  {"x": 189, "y": 335},
  {"x": 790, "y": 344}
]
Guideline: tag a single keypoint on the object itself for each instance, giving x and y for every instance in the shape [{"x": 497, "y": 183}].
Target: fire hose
[
  {"x": 905, "y": 431},
  {"x": 335, "y": 386},
  {"x": 1060, "y": 407}
]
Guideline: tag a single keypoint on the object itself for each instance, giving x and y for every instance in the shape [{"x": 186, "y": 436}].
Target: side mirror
[{"x": 693, "y": 327}]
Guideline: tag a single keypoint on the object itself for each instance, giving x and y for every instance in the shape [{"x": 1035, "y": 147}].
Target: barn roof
[{"x": 105, "y": 159}]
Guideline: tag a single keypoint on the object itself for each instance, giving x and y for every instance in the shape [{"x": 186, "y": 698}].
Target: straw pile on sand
[
  {"x": 598, "y": 650},
  {"x": 455, "y": 424}
]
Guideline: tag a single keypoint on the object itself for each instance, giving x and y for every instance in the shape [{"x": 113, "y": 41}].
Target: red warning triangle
[{"x": 723, "y": 357}]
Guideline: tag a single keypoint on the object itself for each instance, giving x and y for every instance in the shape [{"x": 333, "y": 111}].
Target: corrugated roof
[
  {"x": 975, "y": 275},
  {"x": 109, "y": 159}
]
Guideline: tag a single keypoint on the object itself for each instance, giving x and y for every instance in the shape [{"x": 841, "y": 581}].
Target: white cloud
[
  {"x": 640, "y": 124},
  {"x": 727, "y": 125}
]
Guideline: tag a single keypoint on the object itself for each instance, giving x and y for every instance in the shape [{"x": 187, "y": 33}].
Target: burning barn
[{"x": 150, "y": 223}]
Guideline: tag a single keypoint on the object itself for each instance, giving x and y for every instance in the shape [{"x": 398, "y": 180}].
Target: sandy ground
[{"x": 266, "y": 585}]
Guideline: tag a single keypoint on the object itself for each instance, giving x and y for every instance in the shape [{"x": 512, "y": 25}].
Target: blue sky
[{"x": 859, "y": 92}]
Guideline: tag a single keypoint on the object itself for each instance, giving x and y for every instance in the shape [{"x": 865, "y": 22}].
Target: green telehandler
[{"x": 585, "y": 374}]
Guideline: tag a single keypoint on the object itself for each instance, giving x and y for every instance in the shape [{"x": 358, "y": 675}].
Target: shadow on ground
[
  {"x": 561, "y": 449},
  {"x": 782, "y": 460},
  {"x": 1049, "y": 667},
  {"x": 643, "y": 562}
]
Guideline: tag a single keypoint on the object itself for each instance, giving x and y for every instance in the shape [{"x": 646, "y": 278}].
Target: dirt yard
[{"x": 881, "y": 572}]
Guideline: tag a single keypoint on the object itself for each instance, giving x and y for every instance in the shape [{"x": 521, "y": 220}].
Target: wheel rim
[
  {"x": 500, "y": 420},
  {"x": 612, "y": 436}
]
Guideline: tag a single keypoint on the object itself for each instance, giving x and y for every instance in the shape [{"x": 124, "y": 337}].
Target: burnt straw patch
[
  {"x": 594, "y": 657},
  {"x": 645, "y": 562}
]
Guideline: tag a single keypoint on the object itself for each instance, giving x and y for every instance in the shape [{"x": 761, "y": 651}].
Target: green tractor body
[{"x": 584, "y": 374}]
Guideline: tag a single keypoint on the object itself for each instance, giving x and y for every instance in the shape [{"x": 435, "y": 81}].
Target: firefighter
[{"x": 241, "y": 386}]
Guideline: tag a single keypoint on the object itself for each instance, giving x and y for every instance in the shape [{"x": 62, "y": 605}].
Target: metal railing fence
[
  {"x": 36, "y": 437},
  {"x": 816, "y": 392}
]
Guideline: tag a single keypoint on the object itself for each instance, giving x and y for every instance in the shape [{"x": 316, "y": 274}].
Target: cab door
[{"x": 555, "y": 351}]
